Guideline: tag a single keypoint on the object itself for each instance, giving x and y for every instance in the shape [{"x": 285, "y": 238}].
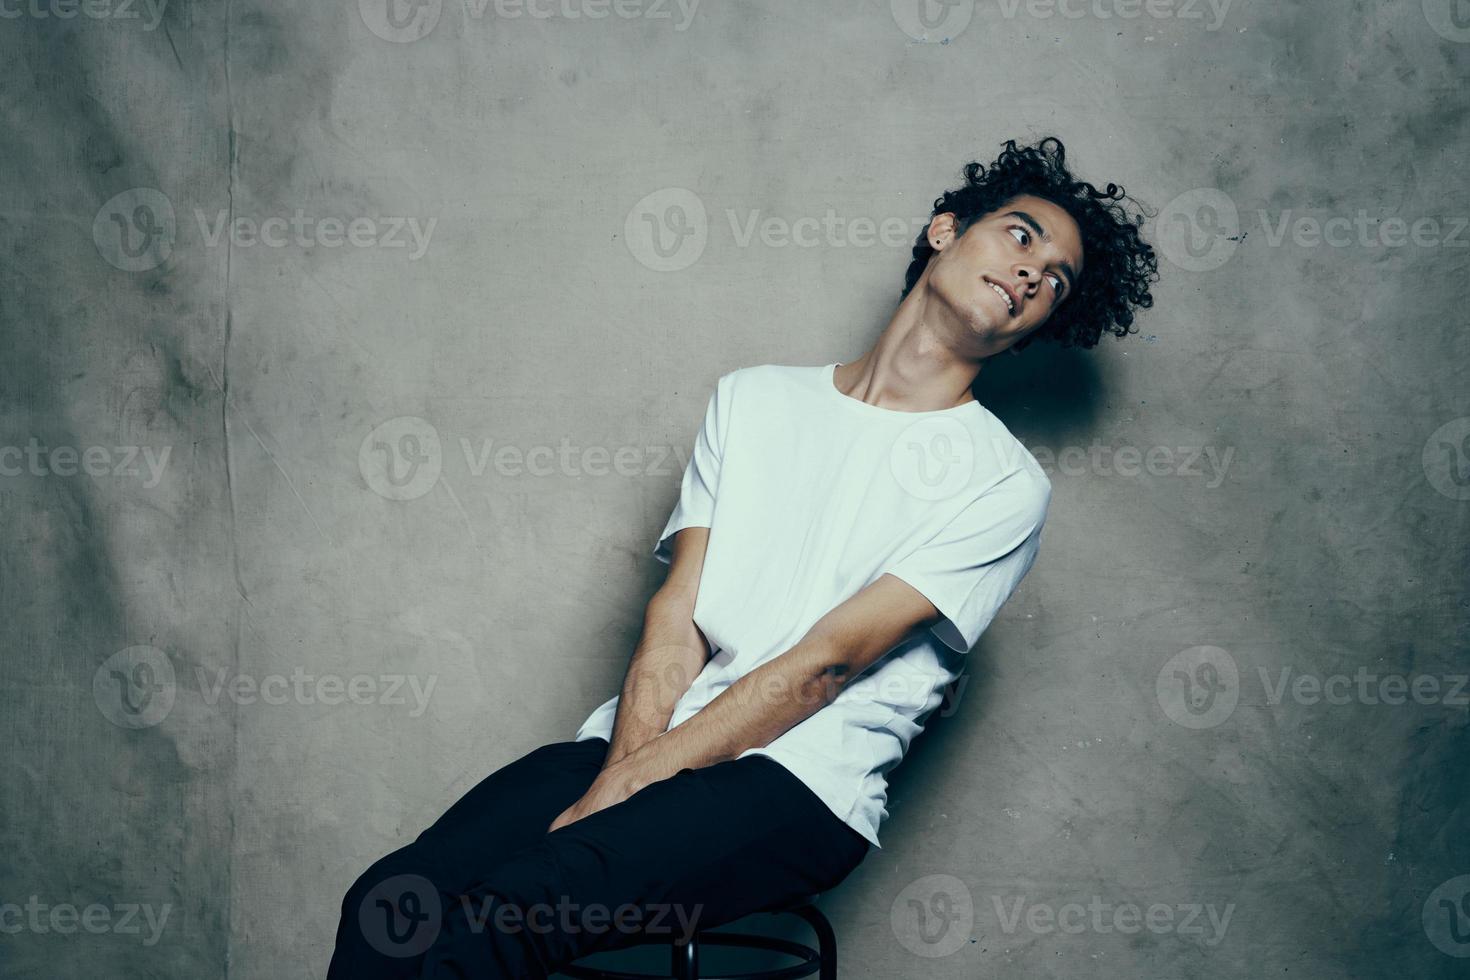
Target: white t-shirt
[{"x": 810, "y": 495}]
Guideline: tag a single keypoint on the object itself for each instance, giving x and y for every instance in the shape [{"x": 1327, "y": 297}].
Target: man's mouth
[{"x": 1005, "y": 296}]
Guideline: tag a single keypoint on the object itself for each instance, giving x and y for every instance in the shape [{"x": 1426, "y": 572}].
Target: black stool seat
[{"x": 684, "y": 957}]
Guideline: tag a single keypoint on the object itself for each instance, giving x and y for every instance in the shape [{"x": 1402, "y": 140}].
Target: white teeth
[{"x": 1002, "y": 294}]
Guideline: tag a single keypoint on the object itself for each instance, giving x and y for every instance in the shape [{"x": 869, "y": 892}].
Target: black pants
[{"x": 486, "y": 892}]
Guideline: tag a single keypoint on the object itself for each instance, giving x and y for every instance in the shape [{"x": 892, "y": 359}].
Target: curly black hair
[{"x": 1118, "y": 264}]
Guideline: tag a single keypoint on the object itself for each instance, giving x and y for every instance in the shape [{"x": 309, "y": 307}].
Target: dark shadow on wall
[
  {"x": 932, "y": 756},
  {"x": 1046, "y": 394}
]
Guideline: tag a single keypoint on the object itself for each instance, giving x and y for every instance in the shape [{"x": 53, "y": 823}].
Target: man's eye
[
  {"x": 1056, "y": 284},
  {"x": 1023, "y": 235}
]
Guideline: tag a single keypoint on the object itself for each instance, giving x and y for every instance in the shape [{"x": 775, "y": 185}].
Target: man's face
[{"x": 1006, "y": 275}]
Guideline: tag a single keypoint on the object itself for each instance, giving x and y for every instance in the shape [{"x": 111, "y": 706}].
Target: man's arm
[
  {"x": 670, "y": 653},
  {"x": 774, "y": 697}
]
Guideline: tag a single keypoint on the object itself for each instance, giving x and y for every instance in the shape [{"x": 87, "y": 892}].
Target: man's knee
[
  {"x": 523, "y": 911},
  {"x": 530, "y": 878},
  {"x": 405, "y": 860},
  {"x": 396, "y": 905}
]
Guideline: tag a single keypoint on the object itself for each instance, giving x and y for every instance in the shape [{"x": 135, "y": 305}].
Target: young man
[{"x": 843, "y": 536}]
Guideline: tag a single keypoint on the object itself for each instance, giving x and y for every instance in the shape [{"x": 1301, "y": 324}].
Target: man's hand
[
  {"x": 784, "y": 691},
  {"x": 772, "y": 698},
  {"x": 612, "y": 786}
]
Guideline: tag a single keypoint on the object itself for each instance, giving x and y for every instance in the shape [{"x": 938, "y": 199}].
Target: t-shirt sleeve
[
  {"x": 971, "y": 567},
  {"x": 696, "y": 504}
]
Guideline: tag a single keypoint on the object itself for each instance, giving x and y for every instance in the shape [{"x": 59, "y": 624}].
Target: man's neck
[{"x": 908, "y": 371}]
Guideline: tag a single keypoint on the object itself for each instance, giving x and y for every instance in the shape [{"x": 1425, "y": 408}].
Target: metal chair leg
[
  {"x": 685, "y": 965},
  {"x": 684, "y": 958},
  {"x": 826, "y": 939}
]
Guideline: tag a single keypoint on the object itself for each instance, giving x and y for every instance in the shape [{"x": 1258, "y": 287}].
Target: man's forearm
[
  {"x": 751, "y": 713},
  {"x": 773, "y": 698},
  {"x": 670, "y": 654}
]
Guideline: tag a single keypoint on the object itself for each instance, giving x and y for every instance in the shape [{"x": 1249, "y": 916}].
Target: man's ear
[{"x": 942, "y": 225}]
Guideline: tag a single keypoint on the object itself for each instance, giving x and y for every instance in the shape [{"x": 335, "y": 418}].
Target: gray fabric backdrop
[{"x": 351, "y": 358}]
